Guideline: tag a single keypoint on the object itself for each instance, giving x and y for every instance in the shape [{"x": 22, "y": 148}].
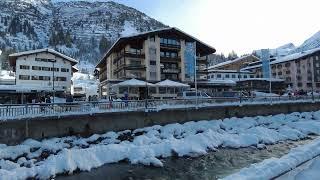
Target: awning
[
  {"x": 133, "y": 83},
  {"x": 169, "y": 83}
]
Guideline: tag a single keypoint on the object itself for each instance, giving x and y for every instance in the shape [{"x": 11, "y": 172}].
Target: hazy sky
[{"x": 240, "y": 25}]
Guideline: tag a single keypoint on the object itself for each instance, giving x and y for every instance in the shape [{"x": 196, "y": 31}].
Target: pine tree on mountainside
[
  {"x": 233, "y": 55},
  {"x": 4, "y": 58},
  {"x": 104, "y": 44}
]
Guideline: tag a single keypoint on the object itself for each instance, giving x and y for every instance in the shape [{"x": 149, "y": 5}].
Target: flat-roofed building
[{"x": 154, "y": 56}]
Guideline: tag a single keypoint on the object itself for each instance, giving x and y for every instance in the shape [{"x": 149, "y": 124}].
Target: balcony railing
[
  {"x": 171, "y": 70},
  {"x": 173, "y": 46}
]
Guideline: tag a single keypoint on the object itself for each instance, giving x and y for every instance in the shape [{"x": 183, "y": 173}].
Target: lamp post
[{"x": 53, "y": 70}]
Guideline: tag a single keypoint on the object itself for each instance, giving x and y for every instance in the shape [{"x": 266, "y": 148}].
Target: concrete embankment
[{"x": 15, "y": 131}]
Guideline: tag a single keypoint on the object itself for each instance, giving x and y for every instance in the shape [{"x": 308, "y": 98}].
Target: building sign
[
  {"x": 189, "y": 55},
  {"x": 265, "y": 58}
]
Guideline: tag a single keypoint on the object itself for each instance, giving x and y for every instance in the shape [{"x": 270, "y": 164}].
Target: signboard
[
  {"x": 189, "y": 55},
  {"x": 265, "y": 58}
]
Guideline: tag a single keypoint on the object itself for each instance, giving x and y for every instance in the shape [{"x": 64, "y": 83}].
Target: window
[
  {"x": 309, "y": 84},
  {"x": 55, "y": 69},
  {"x": 227, "y": 76},
  {"x": 218, "y": 75},
  {"x": 153, "y": 51},
  {"x": 153, "y": 63},
  {"x": 24, "y": 77},
  {"x": 280, "y": 73},
  {"x": 38, "y": 68},
  {"x": 288, "y": 79},
  {"x": 64, "y": 70},
  {"x": 317, "y": 64},
  {"x": 46, "y": 69},
  {"x": 288, "y": 72},
  {"x": 299, "y": 84},
  {"x": 152, "y": 39},
  {"x": 60, "y": 79},
  {"x": 245, "y": 76},
  {"x": 287, "y": 64},
  {"x": 251, "y": 76},
  {"x": 24, "y": 67},
  {"x": 233, "y": 76}
]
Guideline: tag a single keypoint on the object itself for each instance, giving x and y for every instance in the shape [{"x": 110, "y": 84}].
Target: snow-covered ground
[
  {"x": 87, "y": 82},
  {"x": 308, "y": 170},
  {"x": 273, "y": 167},
  {"x": 47, "y": 158}
]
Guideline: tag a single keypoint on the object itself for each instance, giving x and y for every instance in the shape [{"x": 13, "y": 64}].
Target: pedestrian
[
  {"x": 126, "y": 98},
  {"x": 69, "y": 101}
]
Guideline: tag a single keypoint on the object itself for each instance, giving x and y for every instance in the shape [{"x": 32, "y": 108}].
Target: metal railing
[{"x": 16, "y": 111}]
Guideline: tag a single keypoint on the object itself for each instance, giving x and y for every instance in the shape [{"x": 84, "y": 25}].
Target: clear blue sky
[{"x": 240, "y": 25}]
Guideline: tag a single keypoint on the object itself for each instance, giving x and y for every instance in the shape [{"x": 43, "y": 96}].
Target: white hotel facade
[{"x": 42, "y": 70}]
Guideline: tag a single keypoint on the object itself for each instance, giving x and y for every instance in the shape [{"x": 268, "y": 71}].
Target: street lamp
[{"x": 53, "y": 70}]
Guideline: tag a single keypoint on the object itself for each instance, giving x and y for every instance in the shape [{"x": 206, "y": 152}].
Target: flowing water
[{"x": 213, "y": 165}]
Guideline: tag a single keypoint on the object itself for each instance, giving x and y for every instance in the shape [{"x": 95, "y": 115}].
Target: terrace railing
[{"x": 17, "y": 111}]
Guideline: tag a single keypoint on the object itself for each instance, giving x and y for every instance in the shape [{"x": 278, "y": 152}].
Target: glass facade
[{"x": 189, "y": 56}]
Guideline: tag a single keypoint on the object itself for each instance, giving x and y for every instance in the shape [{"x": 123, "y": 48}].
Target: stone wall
[{"x": 15, "y": 131}]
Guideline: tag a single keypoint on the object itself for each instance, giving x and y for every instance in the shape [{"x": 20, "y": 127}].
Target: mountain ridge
[{"x": 81, "y": 29}]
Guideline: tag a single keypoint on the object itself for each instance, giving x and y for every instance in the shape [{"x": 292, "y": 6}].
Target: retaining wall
[{"x": 15, "y": 131}]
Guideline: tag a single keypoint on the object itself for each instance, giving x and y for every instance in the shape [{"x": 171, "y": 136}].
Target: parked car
[{"x": 192, "y": 95}]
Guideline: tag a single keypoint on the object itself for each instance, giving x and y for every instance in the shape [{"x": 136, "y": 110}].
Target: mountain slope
[
  {"x": 81, "y": 29},
  {"x": 311, "y": 43}
]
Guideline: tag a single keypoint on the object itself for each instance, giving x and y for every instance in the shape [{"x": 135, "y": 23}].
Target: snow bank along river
[{"x": 148, "y": 146}]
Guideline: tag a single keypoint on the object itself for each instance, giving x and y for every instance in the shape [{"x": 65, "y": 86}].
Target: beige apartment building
[
  {"x": 153, "y": 57},
  {"x": 300, "y": 71}
]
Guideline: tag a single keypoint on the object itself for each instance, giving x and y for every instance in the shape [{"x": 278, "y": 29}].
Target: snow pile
[
  {"x": 147, "y": 146},
  {"x": 273, "y": 167},
  {"x": 263, "y": 94},
  {"x": 87, "y": 82}
]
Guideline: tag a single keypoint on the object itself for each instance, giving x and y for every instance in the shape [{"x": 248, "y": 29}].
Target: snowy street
[{"x": 148, "y": 146}]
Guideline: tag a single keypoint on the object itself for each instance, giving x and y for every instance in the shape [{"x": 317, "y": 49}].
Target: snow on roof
[
  {"x": 169, "y": 83},
  {"x": 231, "y": 61},
  {"x": 134, "y": 83},
  {"x": 5, "y": 75},
  {"x": 263, "y": 79},
  {"x": 15, "y": 55},
  {"x": 147, "y": 32},
  {"x": 295, "y": 56},
  {"x": 228, "y": 71},
  {"x": 224, "y": 82},
  {"x": 287, "y": 58}
]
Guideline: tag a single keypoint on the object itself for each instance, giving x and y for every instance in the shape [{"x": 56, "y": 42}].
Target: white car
[{"x": 192, "y": 95}]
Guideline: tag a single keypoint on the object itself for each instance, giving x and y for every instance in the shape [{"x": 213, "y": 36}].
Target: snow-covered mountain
[
  {"x": 311, "y": 43},
  {"x": 279, "y": 51},
  {"x": 287, "y": 49},
  {"x": 81, "y": 29}
]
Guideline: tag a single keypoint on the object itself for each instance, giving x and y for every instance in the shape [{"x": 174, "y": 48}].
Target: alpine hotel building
[{"x": 154, "y": 56}]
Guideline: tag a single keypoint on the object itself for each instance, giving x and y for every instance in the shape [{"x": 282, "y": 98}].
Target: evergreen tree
[
  {"x": 104, "y": 44},
  {"x": 4, "y": 58},
  {"x": 233, "y": 55}
]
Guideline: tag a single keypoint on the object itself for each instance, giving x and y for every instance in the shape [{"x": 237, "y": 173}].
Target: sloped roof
[
  {"x": 169, "y": 83},
  {"x": 287, "y": 58},
  {"x": 13, "y": 57},
  {"x": 134, "y": 83},
  {"x": 232, "y": 61},
  {"x": 207, "y": 49}
]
